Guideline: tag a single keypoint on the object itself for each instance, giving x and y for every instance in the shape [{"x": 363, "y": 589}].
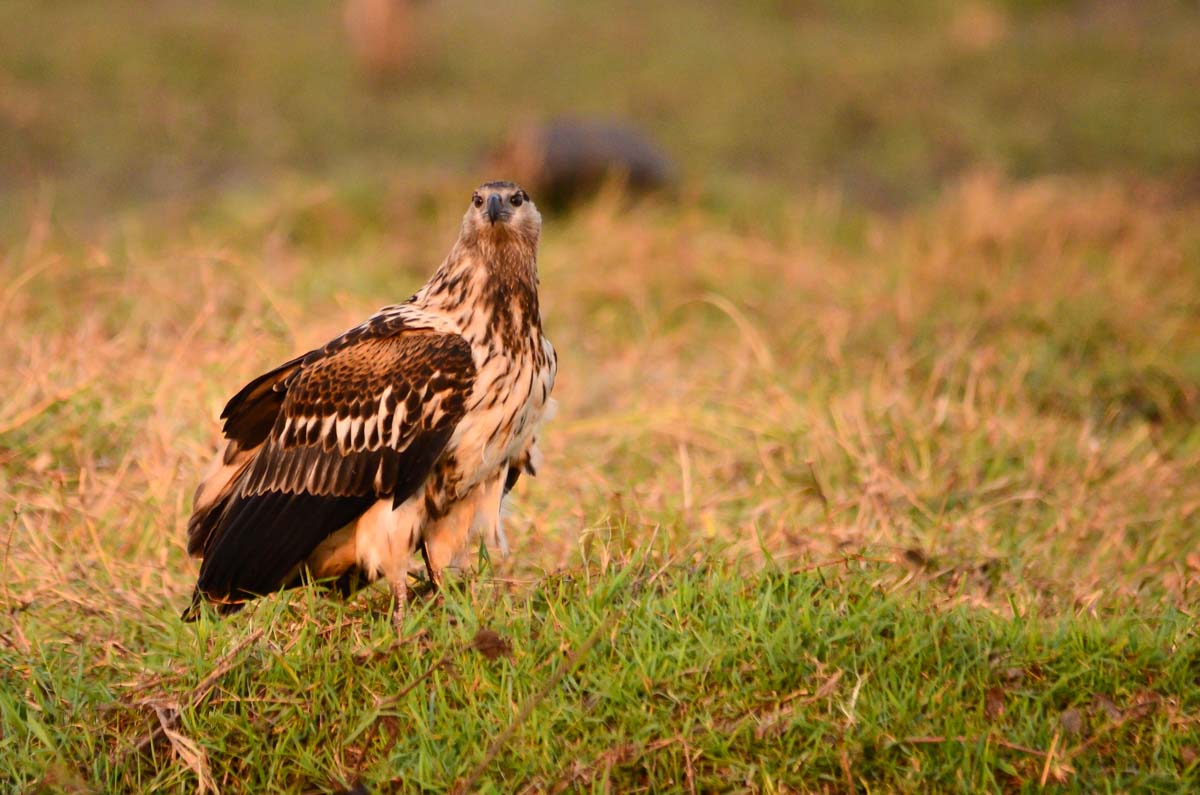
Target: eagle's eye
[
  {"x": 517, "y": 199},
  {"x": 477, "y": 200}
]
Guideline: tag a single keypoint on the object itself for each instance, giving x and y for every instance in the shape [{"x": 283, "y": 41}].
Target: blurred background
[{"x": 130, "y": 102}]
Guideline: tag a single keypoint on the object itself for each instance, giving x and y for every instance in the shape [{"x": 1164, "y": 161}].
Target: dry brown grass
[{"x": 999, "y": 392}]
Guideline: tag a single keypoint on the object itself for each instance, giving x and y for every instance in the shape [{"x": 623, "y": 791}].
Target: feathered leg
[
  {"x": 446, "y": 537},
  {"x": 488, "y": 523},
  {"x": 384, "y": 541}
]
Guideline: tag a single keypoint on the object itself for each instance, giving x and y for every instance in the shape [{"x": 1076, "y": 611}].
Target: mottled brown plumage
[{"x": 401, "y": 434}]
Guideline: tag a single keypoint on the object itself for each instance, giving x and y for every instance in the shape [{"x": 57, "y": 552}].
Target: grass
[
  {"x": 849, "y": 489},
  {"x": 690, "y": 679}
]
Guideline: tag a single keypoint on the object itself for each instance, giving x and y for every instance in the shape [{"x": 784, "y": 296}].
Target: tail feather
[
  {"x": 262, "y": 539},
  {"x": 192, "y": 611}
]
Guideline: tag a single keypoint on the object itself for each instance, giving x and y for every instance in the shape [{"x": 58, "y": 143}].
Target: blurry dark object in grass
[
  {"x": 564, "y": 161},
  {"x": 490, "y": 644},
  {"x": 1151, "y": 394}
]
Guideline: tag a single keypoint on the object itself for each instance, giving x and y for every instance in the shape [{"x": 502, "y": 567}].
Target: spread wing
[{"x": 315, "y": 442}]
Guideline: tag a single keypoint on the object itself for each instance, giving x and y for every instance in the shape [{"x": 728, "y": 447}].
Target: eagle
[{"x": 402, "y": 434}]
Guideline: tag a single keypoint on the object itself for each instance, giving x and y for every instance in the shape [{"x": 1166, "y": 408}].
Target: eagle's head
[{"x": 500, "y": 213}]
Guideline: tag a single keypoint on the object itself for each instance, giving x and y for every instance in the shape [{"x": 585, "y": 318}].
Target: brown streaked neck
[{"x": 489, "y": 288}]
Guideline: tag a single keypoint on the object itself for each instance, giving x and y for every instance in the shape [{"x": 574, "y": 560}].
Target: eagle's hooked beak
[{"x": 494, "y": 207}]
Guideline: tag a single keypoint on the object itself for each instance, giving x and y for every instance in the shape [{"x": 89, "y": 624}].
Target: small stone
[
  {"x": 490, "y": 644},
  {"x": 1071, "y": 721}
]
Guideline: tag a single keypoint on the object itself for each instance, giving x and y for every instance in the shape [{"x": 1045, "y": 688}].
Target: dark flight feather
[
  {"x": 261, "y": 540},
  {"x": 518, "y": 466},
  {"x": 250, "y": 414}
]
